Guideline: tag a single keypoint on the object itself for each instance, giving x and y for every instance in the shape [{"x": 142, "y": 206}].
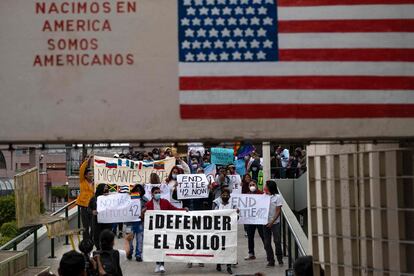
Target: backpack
[{"x": 110, "y": 262}]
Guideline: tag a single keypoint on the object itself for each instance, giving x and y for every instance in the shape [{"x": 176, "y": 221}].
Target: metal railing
[
  {"x": 292, "y": 229},
  {"x": 12, "y": 244}
]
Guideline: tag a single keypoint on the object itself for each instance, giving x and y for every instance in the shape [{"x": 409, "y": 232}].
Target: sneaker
[
  {"x": 250, "y": 257},
  {"x": 138, "y": 258},
  {"x": 157, "y": 268},
  {"x": 280, "y": 263},
  {"x": 218, "y": 267},
  {"x": 162, "y": 269},
  {"x": 189, "y": 265},
  {"x": 270, "y": 264},
  {"x": 201, "y": 265},
  {"x": 229, "y": 271},
  {"x": 129, "y": 257}
]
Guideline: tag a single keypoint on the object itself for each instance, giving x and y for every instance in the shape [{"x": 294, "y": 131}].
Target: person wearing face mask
[
  {"x": 156, "y": 154},
  {"x": 251, "y": 228},
  {"x": 223, "y": 203},
  {"x": 158, "y": 203},
  {"x": 97, "y": 228},
  {"x": 194, "y": 166}
]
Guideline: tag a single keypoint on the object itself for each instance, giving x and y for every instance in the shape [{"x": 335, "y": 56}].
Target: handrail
[
  {"x": 16, "y": 240},
  {"x": 293, "y": 230},
  {"x": 296, "y": 230},
  {"x": 63, "y": 208}
]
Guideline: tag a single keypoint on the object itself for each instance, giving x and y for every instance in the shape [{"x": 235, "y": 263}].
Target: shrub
[
  {"x": 9, "y": 229},
  {"x": 4, "y": 240},
  {"x": 7, "y": 209},
  {"x": 60, "y": 191}
]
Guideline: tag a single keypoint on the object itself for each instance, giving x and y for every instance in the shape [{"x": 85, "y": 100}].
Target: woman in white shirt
[{"x": 272, "y": 228}]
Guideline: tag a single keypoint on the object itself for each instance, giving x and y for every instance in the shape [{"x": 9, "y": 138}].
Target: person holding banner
[
  {"x": 251, "y": 228},
  {"x": 136, "y": 229},
  {"x": 158, "y": 203},
  {"x": 272, "y": 228},
  {"x": 171, "y": 180},
  {"x": 97, "y": 228},
  {"x": 85, "y": 195},
  {"x": 154, "y": 178},
  {"x": 222, "y": 203}
]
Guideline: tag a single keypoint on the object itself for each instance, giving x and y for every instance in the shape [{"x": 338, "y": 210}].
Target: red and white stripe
[{"x": 338, "y": 59}]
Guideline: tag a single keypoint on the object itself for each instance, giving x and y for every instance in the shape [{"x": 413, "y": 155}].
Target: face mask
[
  {"x": 252, "y": 189},
  {"x": 194, "y": 166},
  {"x": 174, "y": 176},
  {"x": 156, "y": 156},
  {"x": 157, "y": 196}
]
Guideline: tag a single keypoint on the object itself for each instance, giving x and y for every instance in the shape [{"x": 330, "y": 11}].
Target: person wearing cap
[{"x": 86, "y": 193}]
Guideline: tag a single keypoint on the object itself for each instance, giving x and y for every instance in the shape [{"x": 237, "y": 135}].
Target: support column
[{"x": 266, "y": 161}]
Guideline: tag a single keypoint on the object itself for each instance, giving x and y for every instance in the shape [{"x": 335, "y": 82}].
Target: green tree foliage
[{"x": 7, "y": 209}]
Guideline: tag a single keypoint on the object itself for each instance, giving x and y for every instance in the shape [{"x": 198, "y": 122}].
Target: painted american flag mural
[{"x": 252, "y": 59}]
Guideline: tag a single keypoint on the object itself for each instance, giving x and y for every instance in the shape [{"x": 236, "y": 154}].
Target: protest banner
[
  {"x": 165, "y": 191},
  {"x": 254, "y": 209},
  {"x": 125, "y": 171},
  {"x": 240, "y": 166},
  {"x": 191, "y": 237},
  {"x": 235, "y": 183},
  {"x": 118, "y": 207},
  {"x": 192, "y": 186},
  {"x": 222, "y": 156}
]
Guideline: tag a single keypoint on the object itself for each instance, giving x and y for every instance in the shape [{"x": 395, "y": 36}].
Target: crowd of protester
[
  {"x": 105, "y": 260},
  {"x": 287, "y": 164}
]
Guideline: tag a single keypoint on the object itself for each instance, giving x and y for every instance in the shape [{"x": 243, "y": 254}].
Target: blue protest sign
[
  {"x": 240, "y": 166},
  {"x": 222, "y": 156}
]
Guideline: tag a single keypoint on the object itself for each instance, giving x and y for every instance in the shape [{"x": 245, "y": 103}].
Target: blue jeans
[{"x": 138, "y": 232}]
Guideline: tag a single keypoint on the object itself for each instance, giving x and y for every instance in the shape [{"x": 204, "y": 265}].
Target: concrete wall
[
  {"x": 361, "y": 209},
  {"x": 294, "y": 192}
]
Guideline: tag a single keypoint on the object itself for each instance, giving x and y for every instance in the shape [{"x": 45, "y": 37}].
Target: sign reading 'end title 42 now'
[{"x": 192, "y": 186}]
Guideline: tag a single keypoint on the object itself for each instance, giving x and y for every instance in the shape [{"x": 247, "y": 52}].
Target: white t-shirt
[
  {"x": 284, "y": 158},
  {"x": 275, "y": 201},
  {"x": 219, "y": 205}
]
